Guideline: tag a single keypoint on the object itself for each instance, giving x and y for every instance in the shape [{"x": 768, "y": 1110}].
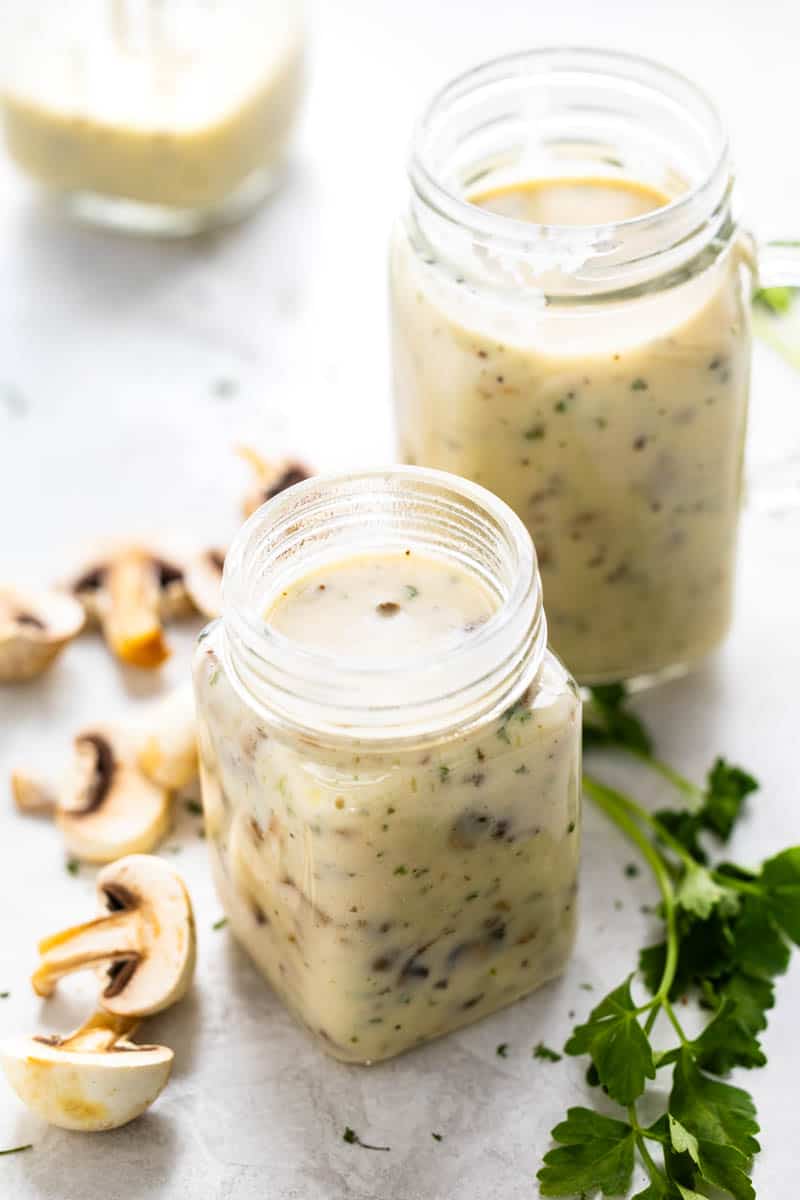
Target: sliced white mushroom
[
  {"x": 142, "y": 947},
  {"x": 108, "y": 807},
  {"x": 91, "y": 1080},
  {"x": 271, "y": 477},
  {"x": 34, "y": 629},
  {"x": 129, "y": 592},
  {"x": 204, "y": 582},
  {"x": 167, "y": 738}
]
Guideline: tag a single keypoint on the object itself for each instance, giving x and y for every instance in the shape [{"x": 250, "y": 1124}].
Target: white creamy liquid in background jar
[
  {"x": 580, "y": 345},
  {"x": 393, "y": 886},
  {"x": 176, "y": 105}
]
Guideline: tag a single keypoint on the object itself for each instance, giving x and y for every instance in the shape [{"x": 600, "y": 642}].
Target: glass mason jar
[
  {"x": 395, "y": 842},
  {"x": 159, "y": 116},
  {"x": 594, "y": 376}
]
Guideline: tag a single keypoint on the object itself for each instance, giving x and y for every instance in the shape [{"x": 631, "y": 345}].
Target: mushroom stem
[
  {"x": 112, "y": 939},
  {"x": 168, "y": 750},
  {"x": 97, "y": 1035},
  {"x": 132, "y": 625}
]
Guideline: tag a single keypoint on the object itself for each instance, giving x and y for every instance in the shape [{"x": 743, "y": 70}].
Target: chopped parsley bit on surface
[
  {"x": 444, "y": 773},
  {"x": 73, "y": 866},
  {"x": 401, "y": 870},
  {"x": 631, "y": 870},
  {"x": 351, "y": 1137},
  {"x": 472, "y": 896},
  {"x": 213, "y": 677},
  {"x": 411, "y": 591},
  {"x": 545, "y": 1053},
  {"x": 571, "y": 827},
  {"x": 4, "y": 995},
  {"x": 17, "y": 1149},
  {"x": 502, "y": 1050},
  {"x": 535, "y": 433},
  {"x": 220, "y": 924},
  {"x": 194, "y": 807},
  {"x": 561, "y": 406},
  {"x": 586, "y": 987},
  {"x": 639, "y": 385},
  {"x": 437, "y": 1137},
  {"x": 523, "y": 770}
]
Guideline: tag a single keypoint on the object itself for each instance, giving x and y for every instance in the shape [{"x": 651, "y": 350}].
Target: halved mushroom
[
  {"x": 34, "y": 629},
  {"x": 204, "y": 582},
  {"x": 270, "y": 477},
  {"x": 91, "y": 1080},
  {"x": 142, "y": 948},
  {"x": 167, "y": 739},
  {"x": 129, "y": 592},
  {"x": 105, "y": 807}
]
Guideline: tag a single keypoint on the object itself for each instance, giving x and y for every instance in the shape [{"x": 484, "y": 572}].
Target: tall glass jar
[
  {"x": 159, "y": 116},
  {"x": 594, "y": 376},
  {"x": 394, "y": 840}
]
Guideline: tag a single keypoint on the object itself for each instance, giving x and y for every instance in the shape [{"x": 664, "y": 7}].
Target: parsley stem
[
  {"x": 652, "y": 1168},
  {"x": 624, "y": 813},
  {"x": 676, "y": 1025},
  {"x": 669, "y": 773}
]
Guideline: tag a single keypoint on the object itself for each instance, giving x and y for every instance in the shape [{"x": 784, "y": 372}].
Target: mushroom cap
[
  {"x": 109, "y": 808},
  {"x": 167, "y": 938},
  {"x": 167, "y": 738},
  {"x": 85, "y": 1090},
  {"x": 204, "y": 582},
  {"x": 34, "y": 628}
]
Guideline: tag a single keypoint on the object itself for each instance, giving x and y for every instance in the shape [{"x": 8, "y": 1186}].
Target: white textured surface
[{"x": 110, "y": 422}]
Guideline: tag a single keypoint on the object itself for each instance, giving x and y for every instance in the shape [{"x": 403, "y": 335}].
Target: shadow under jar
[
  {"x": 571, "y": 330},
  {"x": 390, "y": 759},
  {"x": 155, "y": 116}
]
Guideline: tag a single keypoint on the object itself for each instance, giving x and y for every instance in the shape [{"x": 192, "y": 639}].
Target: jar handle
[{"x": 779, "y": 263}]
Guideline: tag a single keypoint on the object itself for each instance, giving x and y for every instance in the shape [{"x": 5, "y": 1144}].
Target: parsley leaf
[
  {"x": 596, "y": 1153},
  {"x": 617, "y": 1044},
  {"x": 608, "y": 723},
  {"x": 780, "y": 885},
  {"x": 700, "y": 894},
  {"x": 715, "y": 1112},
  {"x": 728, "y": 1041},
  {"x": 727, "y": 788}
]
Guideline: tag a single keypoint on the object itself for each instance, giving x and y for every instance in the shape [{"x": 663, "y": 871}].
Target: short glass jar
[
  {"x": 156, "y": 116},
  {"x": 594, "y": 376},
  {"x": 395, "y": 841}
]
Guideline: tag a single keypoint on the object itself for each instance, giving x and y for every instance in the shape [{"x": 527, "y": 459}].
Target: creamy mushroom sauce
[
  {"x": 393, "y": 896},
  {"x": 176, "y": 111},
  {"x": 615, "y": 431}
]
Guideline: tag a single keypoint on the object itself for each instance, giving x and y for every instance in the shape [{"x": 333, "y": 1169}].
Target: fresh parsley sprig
[{"x": 728, "y": 933}]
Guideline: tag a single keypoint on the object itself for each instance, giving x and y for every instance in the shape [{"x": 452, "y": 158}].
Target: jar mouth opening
[
  {"x": 329, "y": 517},
  {"x": 573, "y": 67}
]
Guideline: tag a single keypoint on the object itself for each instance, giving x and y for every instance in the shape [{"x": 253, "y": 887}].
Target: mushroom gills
[
  {"x": 142, "y": 946},
  {"x": 108, "y": 808}
]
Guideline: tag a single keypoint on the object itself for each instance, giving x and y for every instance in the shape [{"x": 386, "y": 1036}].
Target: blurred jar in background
[{"x": 159, "y": 116}]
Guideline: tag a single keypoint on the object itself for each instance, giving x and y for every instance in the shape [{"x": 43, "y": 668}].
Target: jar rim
[
  {"x": 658, "y": 242},
  {"x": 331, "y": 694}
]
